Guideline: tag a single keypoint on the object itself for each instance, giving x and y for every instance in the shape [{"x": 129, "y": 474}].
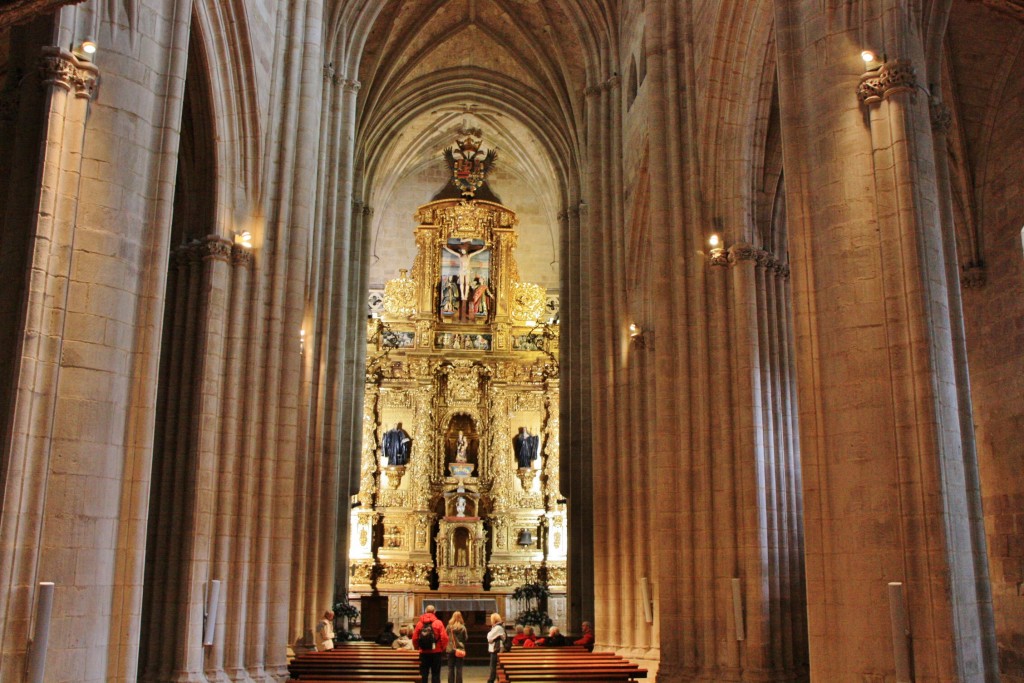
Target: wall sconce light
[
  {"x": 717, "y": 255},
  {"x": 636, "y": 336},
  {"x": 86, "y": 49},
  {"x": 302, "y": 340},
  {"x": 244, "y": 239},
  {"x": 872, "y": 60}
]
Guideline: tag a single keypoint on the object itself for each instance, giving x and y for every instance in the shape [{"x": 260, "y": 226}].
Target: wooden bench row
[
  {"x": 356, "y": 665},
  {"x": 566, "y": 665}
]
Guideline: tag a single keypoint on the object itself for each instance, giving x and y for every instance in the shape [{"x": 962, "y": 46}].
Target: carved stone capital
[
  {"x": 64, "y": 70},
  {"x": 741, "y": 252},
  {"x": 718, "y": 256},
  {"x": 350, "y": 85},
  {"x": 214, "y": 248},
  {"x": 894, "y": 77},
  {"x": 240, "y": 256}
]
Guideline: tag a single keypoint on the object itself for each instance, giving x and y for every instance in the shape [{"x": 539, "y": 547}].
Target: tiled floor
[{"x": 470, "y": 674}]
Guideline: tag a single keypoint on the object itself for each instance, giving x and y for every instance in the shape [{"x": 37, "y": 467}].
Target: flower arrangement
[
  {"x": 533, "y": 596},
  {"x": 344, "y": 608}
]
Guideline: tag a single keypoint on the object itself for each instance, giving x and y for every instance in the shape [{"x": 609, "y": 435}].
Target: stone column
[
  {"x": 52, "y": 386},
  {"x": 886, "y": 477},
  {"x": 234, "y": 538},
  {"x": 576, "y": 468}
]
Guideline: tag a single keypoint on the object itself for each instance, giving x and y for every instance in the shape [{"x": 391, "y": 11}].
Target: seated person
[
  {"x": 403, "y": 641},
  {"x": 518, "y": 638},
  {"x": 530, "y": 638},
  {"x": 387, "y": 635},
  {"x": 554, "y": 639},
  {"x": 587, "y": 640}
]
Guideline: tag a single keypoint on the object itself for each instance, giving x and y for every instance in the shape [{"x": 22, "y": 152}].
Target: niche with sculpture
[{"x": 462, "y": 440}]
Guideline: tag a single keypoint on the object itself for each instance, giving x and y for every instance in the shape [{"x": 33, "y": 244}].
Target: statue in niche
[
  {"x": 461, "y": 444},
  {"x": 460, "y": 506},
  {"x": 526, "y": 447},
  {"x": 396, "y": 446},
  {"x": 460, "y": 558},
  {"x": 450, "y": 296},
  {"x": 481, "y": 301},
  {"x": 461, "y": 441}
]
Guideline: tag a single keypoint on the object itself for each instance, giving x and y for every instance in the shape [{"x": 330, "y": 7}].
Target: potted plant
[
  {"x": 533, "y": 599},
  {"x": 345, "y": 612}
]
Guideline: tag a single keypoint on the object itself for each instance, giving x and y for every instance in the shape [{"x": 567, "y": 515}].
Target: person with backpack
[
  {"x": 431, "y": 640},
  {"x": 495, "y": 644}
]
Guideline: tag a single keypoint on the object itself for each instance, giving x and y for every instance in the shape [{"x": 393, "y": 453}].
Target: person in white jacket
[
  {"x": 495, "y": 643},
  {"x": 325, "y": 632}
]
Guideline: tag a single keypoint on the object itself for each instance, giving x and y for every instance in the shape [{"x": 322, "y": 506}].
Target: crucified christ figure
[{"x": 465, "y": 258}]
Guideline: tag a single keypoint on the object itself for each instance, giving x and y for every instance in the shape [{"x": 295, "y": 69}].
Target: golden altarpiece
[{"x": 459, "y": 476}]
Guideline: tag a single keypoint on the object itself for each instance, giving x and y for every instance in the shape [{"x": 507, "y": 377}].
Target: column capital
[
  {"x": 64, "y": 70},
  {"x": 241, "y": 256},
  {"x": 214, "y": 248},
  {"x": 894, "y": 77}
]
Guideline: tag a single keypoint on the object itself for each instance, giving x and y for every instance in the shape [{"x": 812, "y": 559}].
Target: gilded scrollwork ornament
[{"x": 400, "y": 296}]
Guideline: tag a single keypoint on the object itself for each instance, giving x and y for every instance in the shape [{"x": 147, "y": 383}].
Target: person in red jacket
[
  {"x": 587, "y": 640},
  {"x": 431, "y": 645}
]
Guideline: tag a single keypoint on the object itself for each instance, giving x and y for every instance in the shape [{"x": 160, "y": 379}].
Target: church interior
[{"x": 706, "y": 317}]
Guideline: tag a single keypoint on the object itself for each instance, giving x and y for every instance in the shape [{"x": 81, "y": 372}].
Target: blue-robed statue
[
  {"x": 396, "y": 446},
  {"x": 526, "y": 447}
]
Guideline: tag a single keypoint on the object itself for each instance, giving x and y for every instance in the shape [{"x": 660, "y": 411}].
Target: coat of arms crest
[{"x": 469, "y": 164}]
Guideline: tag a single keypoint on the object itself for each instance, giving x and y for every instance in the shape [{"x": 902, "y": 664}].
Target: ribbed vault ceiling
[{"x": 514, "y": 69}]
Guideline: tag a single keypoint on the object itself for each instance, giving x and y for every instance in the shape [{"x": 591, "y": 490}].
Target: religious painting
[
  {"x": 526, "y": 342},
  {"x": 465, "y": 288},
  {"x": 456, "y": 341},
  {"x": 399, "y": 339}
]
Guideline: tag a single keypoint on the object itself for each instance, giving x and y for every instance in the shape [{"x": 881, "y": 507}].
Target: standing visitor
[
  {"x": 457, "y": 637},
  {"x": 430, "y": 639},
  {"x": 495, "y": 644}
]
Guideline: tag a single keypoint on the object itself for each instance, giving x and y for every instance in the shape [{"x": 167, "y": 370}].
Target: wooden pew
[
  {"x": 356, "y": 664},
  {"x": 566, "y": 665}
]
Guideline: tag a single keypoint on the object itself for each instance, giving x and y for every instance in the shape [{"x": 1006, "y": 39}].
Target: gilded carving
[
  {"x": 361, "y": 572},
  {"x": 391, "y": 499},
  {"x": 404, "y": 573},
  {"x": 528, "y": 302},
  {"x": 400, "y": 296}
]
